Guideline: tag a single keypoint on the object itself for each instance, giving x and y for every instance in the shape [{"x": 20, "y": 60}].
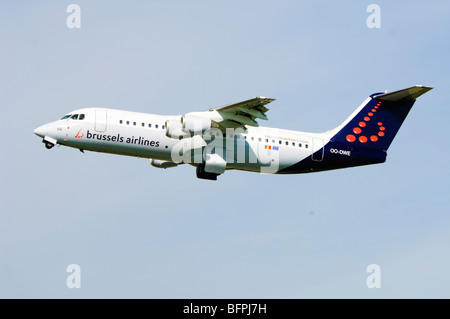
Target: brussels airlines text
[{"x": 121, "y": 139}]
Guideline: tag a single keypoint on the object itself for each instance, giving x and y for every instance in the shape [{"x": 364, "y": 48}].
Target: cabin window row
[
  {"x": 280, "y": 142},
  {"x": 231, "y": 135},
  {"x": 142, "y": 124},
  {"x": 252, "y": 138},
  {"x": 287, "y": 143}
]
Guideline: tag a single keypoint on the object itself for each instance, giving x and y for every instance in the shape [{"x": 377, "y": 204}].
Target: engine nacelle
[
  {"x": 195, "y": 125},
  {"x": 163, "y": 164},
  {"x": 174, "y": 129}
]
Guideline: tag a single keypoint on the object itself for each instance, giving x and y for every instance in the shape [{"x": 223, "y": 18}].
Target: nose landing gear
[{"x": 48, "y": 145}]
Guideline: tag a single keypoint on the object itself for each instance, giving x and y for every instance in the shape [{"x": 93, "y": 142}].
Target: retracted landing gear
[{"x": 205, "y": 175}]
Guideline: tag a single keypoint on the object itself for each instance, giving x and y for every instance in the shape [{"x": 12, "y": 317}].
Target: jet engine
[
  {"x": 195, "y": 125},
  {"x": 187, "y": 126},
  {"x": 174, "y": 129}
]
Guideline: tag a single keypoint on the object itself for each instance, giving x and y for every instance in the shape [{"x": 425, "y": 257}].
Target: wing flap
[
  {"x": 255, "y": 103},
  {"x": 244, "y": 113}
]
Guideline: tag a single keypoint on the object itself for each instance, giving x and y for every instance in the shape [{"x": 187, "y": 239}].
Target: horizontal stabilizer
[{"x": 408, "y": 94}]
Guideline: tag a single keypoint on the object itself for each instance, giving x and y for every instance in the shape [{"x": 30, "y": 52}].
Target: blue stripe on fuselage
[{"x": 337, "y": 155}]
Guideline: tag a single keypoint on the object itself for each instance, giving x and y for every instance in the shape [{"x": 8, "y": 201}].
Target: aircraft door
[
  {"x": 264, "y": 153},
  {"x": 268, "y": 157},
  {"x": 100, "y": 120},
  {"x": 317, "y": 149}
]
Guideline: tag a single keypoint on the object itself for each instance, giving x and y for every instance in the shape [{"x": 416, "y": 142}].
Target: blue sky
[{"x": 139, "y": 232}]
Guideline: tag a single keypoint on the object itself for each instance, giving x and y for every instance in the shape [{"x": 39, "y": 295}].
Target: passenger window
[
  {"x": 128, "y": 122},
  {"x": 74, "y": 117},
  {"x": 134, "y": 123},
  {"x": 293, "y": 144},
  {"x": 162, "y": 127},
  {"x": 306, "y": 145},
  {"x": 279, "y": 142},
  {"x": 273, "y": 141},
  {"x": 120, "y": 122},
  {"x": 253, "y": 138},
  {"x": 287, "y": 143},
  {"x": 259, "y": 139},
  {"x": 156, "y": 125},
  {"x": 149, "y": 125},
  {"x": 299, "y": 144},
  {"x": 143, "y": 124},
  {"x": 81, "y": 117},
  {"x": 267, "y": 140}
]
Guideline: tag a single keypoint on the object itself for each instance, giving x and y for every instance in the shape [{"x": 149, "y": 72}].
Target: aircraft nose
[{"x": 41, "y": 131}]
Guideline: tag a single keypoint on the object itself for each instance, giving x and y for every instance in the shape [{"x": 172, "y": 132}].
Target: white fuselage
[
  {"x": 259, "y": 149},
  {"x": 229, "y": 137}
]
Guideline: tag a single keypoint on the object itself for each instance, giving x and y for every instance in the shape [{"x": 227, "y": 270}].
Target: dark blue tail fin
[
  {"x": 376, "y": 122},
  {"x": 365, "y": 136}
]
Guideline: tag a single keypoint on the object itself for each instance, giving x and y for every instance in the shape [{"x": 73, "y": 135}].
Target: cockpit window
[{"x": 74, "y": 117}]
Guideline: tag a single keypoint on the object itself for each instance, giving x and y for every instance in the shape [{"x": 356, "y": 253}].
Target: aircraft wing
[{"x": 241, "y": 113}]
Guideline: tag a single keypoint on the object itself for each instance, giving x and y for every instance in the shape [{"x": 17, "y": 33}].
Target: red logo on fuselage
[{"x": 78, "y": 134}]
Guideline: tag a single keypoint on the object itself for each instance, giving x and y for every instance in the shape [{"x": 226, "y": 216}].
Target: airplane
[{"x": 230, "y": 137}]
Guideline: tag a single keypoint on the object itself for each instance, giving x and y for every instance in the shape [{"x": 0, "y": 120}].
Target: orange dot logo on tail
[{"x": 351, "y": 138}]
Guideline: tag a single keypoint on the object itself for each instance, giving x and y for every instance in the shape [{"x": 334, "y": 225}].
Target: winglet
[{"x": 408, "y": 94}]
